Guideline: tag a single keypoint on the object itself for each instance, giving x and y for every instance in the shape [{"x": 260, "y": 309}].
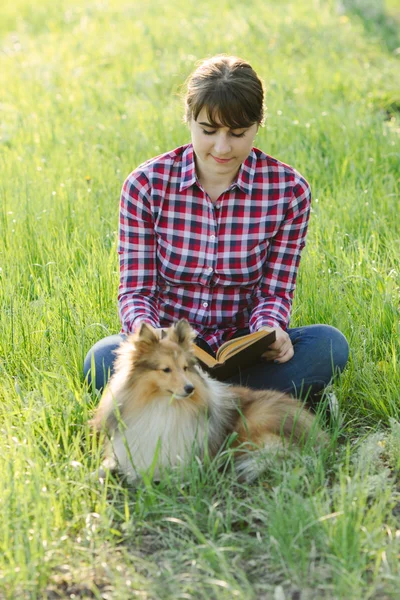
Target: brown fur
[{"x": 159, "y": 394}]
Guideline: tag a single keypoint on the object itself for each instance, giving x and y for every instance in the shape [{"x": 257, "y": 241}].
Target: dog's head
[{"x": 163, "y": 360}]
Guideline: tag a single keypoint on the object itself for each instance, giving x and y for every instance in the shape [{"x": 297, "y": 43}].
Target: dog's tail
[{"x": 271, "y": 423}]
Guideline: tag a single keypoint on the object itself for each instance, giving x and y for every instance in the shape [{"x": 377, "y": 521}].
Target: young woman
[{"x": 213, "y": 231}]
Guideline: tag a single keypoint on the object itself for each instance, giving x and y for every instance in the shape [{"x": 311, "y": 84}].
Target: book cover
[{"x": 235, "y": 354}]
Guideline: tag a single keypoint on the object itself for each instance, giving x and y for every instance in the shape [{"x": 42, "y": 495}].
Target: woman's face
[{"x": 219, "y": 150}]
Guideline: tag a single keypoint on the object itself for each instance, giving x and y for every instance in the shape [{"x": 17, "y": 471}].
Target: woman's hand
[{"x": 282, "y": 349}]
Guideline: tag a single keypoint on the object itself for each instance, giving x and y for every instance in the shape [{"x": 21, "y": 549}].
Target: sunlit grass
[{"x": 88, "y": 90}]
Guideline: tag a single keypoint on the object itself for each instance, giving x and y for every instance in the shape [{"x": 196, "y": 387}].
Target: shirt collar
[
  {"x": 188, "y": 173},
  {"x": 246, "y": 174},
  {"x": 244, "y": 180}
]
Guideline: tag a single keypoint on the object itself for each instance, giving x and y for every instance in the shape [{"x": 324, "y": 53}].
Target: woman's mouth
[{"x": 221, "y": 160}]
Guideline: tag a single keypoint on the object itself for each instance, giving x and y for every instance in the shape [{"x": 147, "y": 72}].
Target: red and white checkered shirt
[{"x": 222, "y": 266}]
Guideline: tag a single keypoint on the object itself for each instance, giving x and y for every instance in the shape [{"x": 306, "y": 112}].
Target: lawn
[{"x": 88, "y": 90}]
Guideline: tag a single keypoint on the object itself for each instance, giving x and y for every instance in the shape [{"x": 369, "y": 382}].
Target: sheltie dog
[{"x": 160, "y": 409}]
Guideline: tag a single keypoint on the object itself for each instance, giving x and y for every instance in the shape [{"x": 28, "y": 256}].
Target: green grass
[{"x": 88, "y": 90}]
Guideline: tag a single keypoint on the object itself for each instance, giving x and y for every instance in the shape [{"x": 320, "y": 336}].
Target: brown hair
[{"x": 229, "y": 89}]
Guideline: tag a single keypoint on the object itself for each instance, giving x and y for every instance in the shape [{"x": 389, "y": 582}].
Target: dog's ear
[
  {"x": 182, "y": 333},
  {"x": 147, "y": 334}
]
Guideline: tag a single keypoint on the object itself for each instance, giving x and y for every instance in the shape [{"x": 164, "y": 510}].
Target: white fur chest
[{"x": 173, "y": 430}]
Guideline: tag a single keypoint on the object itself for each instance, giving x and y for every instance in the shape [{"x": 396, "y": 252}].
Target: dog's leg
[{"x": 109, "y": 463}]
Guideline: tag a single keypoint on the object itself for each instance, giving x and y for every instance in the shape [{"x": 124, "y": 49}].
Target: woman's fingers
[
  {"x": 282, "y": 358},
  {"x": 281, "y": 350},
  {"x": 279, "y": 356}
]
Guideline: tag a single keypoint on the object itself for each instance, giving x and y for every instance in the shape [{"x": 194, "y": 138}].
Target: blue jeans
[{"x": 320, "y": 352}]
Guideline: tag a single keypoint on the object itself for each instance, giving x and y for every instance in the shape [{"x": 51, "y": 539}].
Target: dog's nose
[{"x": 188, "y": 388}]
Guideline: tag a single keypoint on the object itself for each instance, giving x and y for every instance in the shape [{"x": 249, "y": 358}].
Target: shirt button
[
  {"x": 212, "y": 237},
  {"x": 209, "y": 269},
  {"x": 205, "y": 304}
]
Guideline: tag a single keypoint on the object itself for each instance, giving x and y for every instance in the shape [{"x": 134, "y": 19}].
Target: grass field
[{"x": 88, "y": 90}]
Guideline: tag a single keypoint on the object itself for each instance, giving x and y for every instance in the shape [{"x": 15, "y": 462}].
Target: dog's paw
[{"x": 109, "y": 465}]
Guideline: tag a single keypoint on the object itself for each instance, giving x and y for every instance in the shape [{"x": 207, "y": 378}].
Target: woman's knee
[
  {"x": 323, "y": 346},
  {"x": 330, "y": 346},
  {"x": 99, "y": 361},
  {"x": 338, "y": 347}
]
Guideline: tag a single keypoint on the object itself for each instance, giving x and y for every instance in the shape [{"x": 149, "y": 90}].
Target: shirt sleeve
[
  {"x": 273, "y": 297},
  {"x": 138, "y": 296}
]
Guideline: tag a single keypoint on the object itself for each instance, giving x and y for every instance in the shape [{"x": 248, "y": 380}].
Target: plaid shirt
[{"x": 223, "y": 266}]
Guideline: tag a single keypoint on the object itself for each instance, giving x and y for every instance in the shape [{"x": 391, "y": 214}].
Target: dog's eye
[
  {"x": 167, "y": 370},
  {"x": 185, "y": 368}
]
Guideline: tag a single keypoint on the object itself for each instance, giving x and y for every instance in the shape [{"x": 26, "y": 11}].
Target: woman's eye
[
  {"x": 167, "y": 370},
  {"x": 236, "y": 135}
]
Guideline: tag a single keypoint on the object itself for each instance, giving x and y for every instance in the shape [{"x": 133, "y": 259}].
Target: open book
[{"x": 236, "y": 354}]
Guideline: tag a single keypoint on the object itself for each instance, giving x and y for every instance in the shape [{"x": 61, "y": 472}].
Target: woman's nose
[{"x": 222, "y": 145}]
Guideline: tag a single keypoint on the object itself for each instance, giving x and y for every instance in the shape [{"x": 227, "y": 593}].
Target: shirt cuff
[
  {"x": 135, "y": 324},
  {"x": 266, "y": 322}
]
